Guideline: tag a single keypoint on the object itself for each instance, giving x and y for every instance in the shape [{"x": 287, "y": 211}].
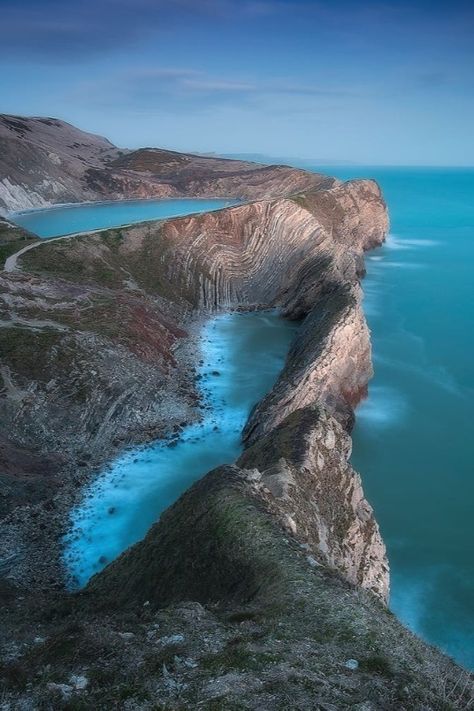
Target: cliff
[
  {"x": 132, "y": 293},
  {"x": 279, "y": 553},
  {"x": 299, "y": 476},
  {"x": 222, "y": 606}
]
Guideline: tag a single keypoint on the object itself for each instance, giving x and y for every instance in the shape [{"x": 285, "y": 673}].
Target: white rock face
[
  {"x": 329, "y": 513},
  {"x": 19, "y": 197}
]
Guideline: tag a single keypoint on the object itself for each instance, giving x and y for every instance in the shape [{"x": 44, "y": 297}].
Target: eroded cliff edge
[
  {"x": 276, "y": 550},
  {"x": 95, "y": 352}
]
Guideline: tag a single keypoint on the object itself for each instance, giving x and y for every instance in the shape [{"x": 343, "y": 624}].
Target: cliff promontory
[{"x": 265, "y": 585}]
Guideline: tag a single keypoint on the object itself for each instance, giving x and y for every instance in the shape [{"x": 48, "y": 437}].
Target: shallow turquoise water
[
  {"x": 414, "y": 438},
  {"x": 242, "y": 354},
  {"x": 56, "y": 221}
]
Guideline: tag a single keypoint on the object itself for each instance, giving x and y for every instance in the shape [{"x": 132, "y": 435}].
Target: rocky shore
[
  {"x": 264, "y": 586},
  {"x": 104, "y": 319}
]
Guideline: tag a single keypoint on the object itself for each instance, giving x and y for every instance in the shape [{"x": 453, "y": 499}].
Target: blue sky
[{"x": 368, "y": 82}]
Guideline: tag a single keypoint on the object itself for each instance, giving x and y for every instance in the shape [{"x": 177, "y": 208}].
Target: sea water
[
  {"x": 67, "y": 219},
  {"x": 242, "y": 355},
  {"x": 414, "y": 435}
]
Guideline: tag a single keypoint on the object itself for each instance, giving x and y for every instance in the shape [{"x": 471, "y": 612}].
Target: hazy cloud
[{"x": 174, "y": 89}]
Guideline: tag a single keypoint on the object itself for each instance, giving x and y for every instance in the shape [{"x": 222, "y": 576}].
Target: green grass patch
[{"x": 239, "y": 658}]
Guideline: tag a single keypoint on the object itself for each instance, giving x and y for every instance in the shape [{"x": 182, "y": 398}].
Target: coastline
[
  {"x": 116, "y": 201},
  {"x": 279, "y": 552},
  {"x": 74, "y": 478},
  {"x": 47, "y": 571}
]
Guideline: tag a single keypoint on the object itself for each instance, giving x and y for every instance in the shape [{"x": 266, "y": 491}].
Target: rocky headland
[
  {"x": 44, "y": 161},
  {"x": 265, "y": 585}
]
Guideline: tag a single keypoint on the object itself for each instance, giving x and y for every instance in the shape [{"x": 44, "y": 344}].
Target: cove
[
  {"x": 242, "y": 355},
  {"x": 413, "y": 440},
  {"x": 68, "y": 219}
]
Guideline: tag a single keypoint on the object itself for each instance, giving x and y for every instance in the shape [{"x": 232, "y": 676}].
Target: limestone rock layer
[
  {"x": 117, "y": 305},
  {"x": 264, "y": 585}
]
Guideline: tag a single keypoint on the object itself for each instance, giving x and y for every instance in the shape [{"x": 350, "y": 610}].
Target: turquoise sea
[
  {"x": 414, "y": 436},
  {"x": 65, "y": 219}
]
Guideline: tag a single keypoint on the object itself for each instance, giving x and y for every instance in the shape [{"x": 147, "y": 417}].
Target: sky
[{"x": 389, "y": 82}]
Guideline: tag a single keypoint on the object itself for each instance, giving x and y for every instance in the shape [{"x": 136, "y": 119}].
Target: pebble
[
  {"x": 351, "y": 664},
  {"x": 126, "y": 635},
  {"x": 79, "y": 681},
  {"x": 172, "y": 639}
]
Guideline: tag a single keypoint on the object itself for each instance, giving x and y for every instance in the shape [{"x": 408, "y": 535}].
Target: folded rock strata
[
  {"x": 279, "y": 552},
  {"x": 93, "y": 326}
]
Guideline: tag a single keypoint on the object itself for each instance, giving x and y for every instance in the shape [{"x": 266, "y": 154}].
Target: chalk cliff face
[{"x": 44, "y": 161}]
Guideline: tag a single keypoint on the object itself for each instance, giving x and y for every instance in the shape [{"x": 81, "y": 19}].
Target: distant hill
[
  {"x": 45, "y": 161},
  {"x": 285, "y": 160}
]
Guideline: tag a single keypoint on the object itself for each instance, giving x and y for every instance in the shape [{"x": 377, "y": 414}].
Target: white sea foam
[
  {"x": 384, "y": 407},
  {"x": 401, "y": 265},
  {"x": 401, "y": 243}
]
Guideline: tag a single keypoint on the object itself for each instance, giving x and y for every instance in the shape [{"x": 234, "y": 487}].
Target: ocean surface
[
  {"x": 414, "y": 435},
  {"x": 242, "y": 354},
  {"x": 62, "y": 220}
]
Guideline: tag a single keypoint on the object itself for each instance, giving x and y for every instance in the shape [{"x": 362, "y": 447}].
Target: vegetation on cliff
[{"x": 263, "y": 586}]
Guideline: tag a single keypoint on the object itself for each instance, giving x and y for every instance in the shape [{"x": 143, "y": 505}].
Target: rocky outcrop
[
  {"x": 111, "y": 304},
  {"x": 301, "y": 472},
  {"x": 96, "y": 346},
  {"x": 279, "y": 552},
  {"x": 300, "y": 476},
  {"x": 330, "y": 363},
  {"x": 44, "y": 161}
]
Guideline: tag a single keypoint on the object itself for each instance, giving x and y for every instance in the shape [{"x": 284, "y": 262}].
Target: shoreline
[
  {"x": 67, "y": 206},
  {"x": 75, "y": 479},
  {"x": 214, "y": 430},
  {"x": 76, "y": 482},
  {"x": 74, "y": 487},
  {"x": 117, "y": 201}
]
